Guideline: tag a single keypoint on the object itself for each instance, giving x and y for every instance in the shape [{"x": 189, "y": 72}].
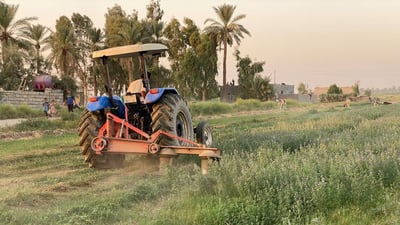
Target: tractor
[{"x": 112, "y": 126}]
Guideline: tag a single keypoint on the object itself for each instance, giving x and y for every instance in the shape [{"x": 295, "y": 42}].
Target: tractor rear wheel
[
  {"x": 171, "y": 114},
  {"x": 89, "y": 126}
]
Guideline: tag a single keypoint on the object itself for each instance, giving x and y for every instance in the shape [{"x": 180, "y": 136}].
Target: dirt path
[{"x": 10, "y": 122}]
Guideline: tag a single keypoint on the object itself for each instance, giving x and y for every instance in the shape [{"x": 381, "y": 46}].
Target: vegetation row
[{"x": 306, "y": 165}]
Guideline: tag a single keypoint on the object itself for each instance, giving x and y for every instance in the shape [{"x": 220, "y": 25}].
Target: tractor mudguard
[
  {"x": 156, "y": 93},
  {"x": 104, "y": 102}
]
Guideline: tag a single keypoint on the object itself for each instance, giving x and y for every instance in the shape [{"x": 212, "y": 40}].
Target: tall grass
[
  {"x": 309, "y": 168},
  {"x": 24, "y": 111},
  {"x": 240, "y": 105},
  {"x": 324, "y": 165}
]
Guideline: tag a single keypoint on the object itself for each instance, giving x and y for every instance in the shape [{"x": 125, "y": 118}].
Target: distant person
[
  {"x": 46, "y": 107},
  {"x": 52, "y": 110},
  {"x": 282, "y": 103},
  {"x": 70, "y": 101},
  {"x": 347, "y": 103}
]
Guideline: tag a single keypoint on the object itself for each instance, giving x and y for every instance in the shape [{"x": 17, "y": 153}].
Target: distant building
[
  {"x": 324, "y": 90},
  {"x": 232, "y": 91},
  {"x": 283, "y": 89}
]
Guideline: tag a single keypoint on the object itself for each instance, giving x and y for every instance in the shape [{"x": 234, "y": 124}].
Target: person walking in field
[
  {"x": 347, "y": 103},
  {"x": 46, "y": 107},
  {"x": 52, "y": 110},
  {"x": 70, "y": 101},
  {"x": 282, "y": 103}
]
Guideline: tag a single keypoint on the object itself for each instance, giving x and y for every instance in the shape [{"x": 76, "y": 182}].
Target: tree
[
  {"x": 302, "y": 89},
  {"x": 208, "y": 69},
  {"x": 356, "y": 88},
  {"x": 64, "y": 52},
  {"x": 251, "y": 83},
  {"x": 11, "y": 29},
  {"x": 12, "y": 71},
  {"x": 193, "y": 59},
  {"x": 115, "y": 19},
  {"x": 226, "y": 31},
  {"x": 334, "y": 89},
  {"x": 82, "y": 26},
  {"x": 199, "y": 68},
  {"x": 153, "y": 24},
  {"x": 368, "y": 92},
  {"x": 176, "y": 46},
  {"x": 153, "y": 29},
  {"x": 37, "y": 36},
  {"x": 132, "y": 32},
  {"x": 124, "y": 30},
  {"x": 14, "y": 49},
  {"x": 154, "y": 11},
  {"x": 95, "y": 37}
]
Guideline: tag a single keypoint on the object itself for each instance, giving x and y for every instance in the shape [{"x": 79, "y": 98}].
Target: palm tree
[
  {"x": 63, "y": 43},
  {"x": 226, "y": 31},
  {"x": 132, "y": 32},
  {"x": 10, "y": 28},
  {"x": 154, "y": 30},
  {"x": 37, "y": 36}
]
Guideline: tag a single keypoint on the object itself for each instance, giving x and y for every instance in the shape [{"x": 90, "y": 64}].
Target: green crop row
[
  {"x": 313, "y": 167},
  {"x": 305, "y": 165}
]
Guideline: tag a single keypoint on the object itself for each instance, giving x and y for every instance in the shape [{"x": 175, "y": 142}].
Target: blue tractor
[{"x": 111, "y": 126}]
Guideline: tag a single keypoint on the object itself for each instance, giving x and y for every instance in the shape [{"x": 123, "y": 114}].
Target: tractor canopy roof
[{"x": 131, "y": 50}]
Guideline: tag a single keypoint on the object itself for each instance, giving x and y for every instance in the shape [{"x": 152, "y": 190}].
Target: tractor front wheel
[
  {"x": 204, "y": 134},
  {"x": 89, "y": 126}
]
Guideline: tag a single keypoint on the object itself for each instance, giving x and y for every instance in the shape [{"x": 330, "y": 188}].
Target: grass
[
  {"x": 9, "y": 112},
  {"x": 309, "y": 164},
  {"x": 215, "y": 107}
]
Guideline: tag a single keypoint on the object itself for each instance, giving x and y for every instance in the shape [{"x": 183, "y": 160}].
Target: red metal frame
[{"x": 114, "y": 138}]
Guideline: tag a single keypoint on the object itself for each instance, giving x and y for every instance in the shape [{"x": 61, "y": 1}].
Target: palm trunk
[
  {"x": 85, "y": 94},
  {"x": 203, "y": 90},
  {"x": 203, "y": 94},
  {"x": 37, "y": 60},
  {"x": 130, "y": 70},
  {"x": 83, "y": 79},
  {"x": 3, "y": 53},
  {"x": 223, "y": 95}
]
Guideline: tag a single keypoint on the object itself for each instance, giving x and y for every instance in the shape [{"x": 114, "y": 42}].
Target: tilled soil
[{"x": 28, "y": 134}]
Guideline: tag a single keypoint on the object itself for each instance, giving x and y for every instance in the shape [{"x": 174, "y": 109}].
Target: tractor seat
[{"x": 133, "y": 98}]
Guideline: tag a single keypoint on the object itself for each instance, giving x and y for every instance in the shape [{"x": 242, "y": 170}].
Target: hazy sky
[{"x": 318, "y": 42}]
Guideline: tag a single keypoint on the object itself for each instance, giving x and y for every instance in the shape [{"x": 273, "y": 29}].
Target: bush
[
  {"x": 39, "y": 124},
  {"x": 69, "y": 116},
  {"x": 24, "y": 111},
  {"x": 240, "y": 105},
  {"x": 325, "y": 98},
  {"x": 247, "y": 105},
  {"x": 210, "y": 108}
]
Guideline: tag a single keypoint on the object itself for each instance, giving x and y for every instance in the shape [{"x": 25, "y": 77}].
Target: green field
[{"x": 310, "y": 164}]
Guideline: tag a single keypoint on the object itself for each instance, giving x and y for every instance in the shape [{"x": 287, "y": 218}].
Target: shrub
[
  {"x": 210, "y": 108},
  {"x": 39, "y": 124},
  {"x": 24, "y": 111},
  {"x": 7, "y": 111},
  {"x": 247, "y": 105}
]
